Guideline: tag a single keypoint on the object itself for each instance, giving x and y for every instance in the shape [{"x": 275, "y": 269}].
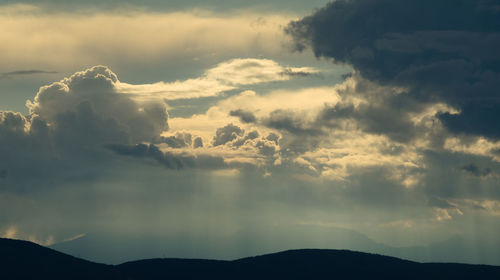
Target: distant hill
[
  {"x": 113, "y": 248},
  {"x": 117, "y": 248},
  {"x": 26, "y": 260}
]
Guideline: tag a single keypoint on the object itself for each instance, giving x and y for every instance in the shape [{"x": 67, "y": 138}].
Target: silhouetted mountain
[
  {"x": 25, "y": 260},
  {"x": 251, "y": 241}
]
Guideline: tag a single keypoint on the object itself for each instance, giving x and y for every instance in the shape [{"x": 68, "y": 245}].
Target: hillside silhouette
[{"x": 26, "y": 260}]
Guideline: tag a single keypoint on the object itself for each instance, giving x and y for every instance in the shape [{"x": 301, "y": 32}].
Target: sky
[{"x": 224, "y": 129}]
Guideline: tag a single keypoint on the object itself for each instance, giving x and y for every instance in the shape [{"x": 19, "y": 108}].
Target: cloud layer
[{"x": 132, "y": 36}]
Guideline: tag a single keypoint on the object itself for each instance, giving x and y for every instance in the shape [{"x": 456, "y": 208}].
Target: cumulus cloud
[
  {"x": 448, "y": 57},
  {"x": 91, "y": 100},
  {"x": 68, "y": 124},
  {"x": 179, "y": 140},
  {"x": 226, "y": 134}
]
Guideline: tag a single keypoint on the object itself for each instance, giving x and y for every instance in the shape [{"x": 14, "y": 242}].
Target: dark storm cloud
[
  {"x": 444, "y": 51},
  {"x": 245, "y": 116},
  {"x": 291, "y": 122},
  {"x": 168, "y": 159},
  {"x": 180, "y": 140},
  {"x": 385, "y": 112},
  {"x": 372, "y": 118}
]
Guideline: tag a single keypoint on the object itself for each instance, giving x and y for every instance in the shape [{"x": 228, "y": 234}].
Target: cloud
[
  {"x": 476, "y": 171},
  {"x": 291, "y": 122},
  {"x": 226, "y": 134},
  {"x": 253, "y": 71},
  {"x": 245, "y": 116},
  {"x": 448, "y": 58},
  {"x": 83, "y": 132},
  {"x": 188, "y": 89},
  {"x": 97, "y": 152},
  {"x": 79, "y": 127},
  {"x": 132, "y": 37},
  {"x": 225, "y": 76},
  {"x": 179, "y": 140},
  {"x": 479, "y": 146},
  {"x": 62, "y": 138},
  {"x": 25, "y": 72},
  {"x": 90, "y": 99},
  {"x": 13, "y": 232},
  {"x": 168, "y": 159},
  {"x": 491, "y": 207},
  {"x": 328, "y": 133},
  {"x": 198, "y": 142}
]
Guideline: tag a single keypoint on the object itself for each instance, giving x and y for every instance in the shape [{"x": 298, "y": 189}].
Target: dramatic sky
[{"x": 222, "y": 129}]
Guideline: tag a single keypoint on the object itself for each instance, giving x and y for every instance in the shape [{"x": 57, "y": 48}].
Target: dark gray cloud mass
[
  {"x": 168, "y": 159},
  {"x": 179, "y": 140},
  {"x": 245, "y": 116},
  {"x": 444, "y": 51},
  {"x": 291, "y": 122}
]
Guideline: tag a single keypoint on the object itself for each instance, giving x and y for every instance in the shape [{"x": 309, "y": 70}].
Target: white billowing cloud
[
  {"x": 237, "y": 147},
  {"x": 225, "y": 76},
  {"x": 90, "y": 98}
]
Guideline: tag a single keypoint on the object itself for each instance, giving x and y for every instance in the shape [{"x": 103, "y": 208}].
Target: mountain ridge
[
  {"x": 108, "y": 248},
  {"x": 26, "y": 260}
]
